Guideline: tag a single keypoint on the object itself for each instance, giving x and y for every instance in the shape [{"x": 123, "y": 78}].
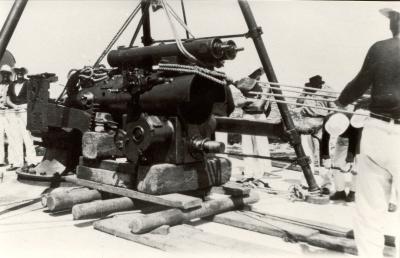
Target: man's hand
[
  {"x": 243, "y": 102},
  {"x": 327, "y": 163},
  {"x": 339, "y": 105}
]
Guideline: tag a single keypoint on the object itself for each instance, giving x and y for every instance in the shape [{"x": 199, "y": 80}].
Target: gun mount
[{"x": 136, "y": 111}]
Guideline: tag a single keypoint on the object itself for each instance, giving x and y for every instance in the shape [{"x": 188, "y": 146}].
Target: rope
[
  {"x": 194, "y": 71},
  {"x": 285, "y": 96},
  {"x": 297, "y": 87},
  {"x": 94, "y": 74},
  {"x": 323, "y": 108},
  {"x": 116, "y": 37},
  {"x": 287, "y": 236},
  {"x": 195, "y": 67},
  {"x": 179, "y": 44},
  {"x": 296, "y": 193},
  {"x": 179, "y": 20},
  {"x": 297, "y": 91},
  {"x": 276, "y": 84}
]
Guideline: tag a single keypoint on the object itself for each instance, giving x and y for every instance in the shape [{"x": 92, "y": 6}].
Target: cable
[
  {"x": 297, "y": 91},
  {"x": 298, "y": 87},
  {"x": 179, "y": 44},
  {"x": 199, "y": 68},
  {"x": 193, "y": 71},
  {"x": 119, "y": 33},
  {"x": 323, "y": 108},
  {"x": 294, "y": 97},
  {"x": 179, "y": 20},
  {"x": 286, "y": 235}
]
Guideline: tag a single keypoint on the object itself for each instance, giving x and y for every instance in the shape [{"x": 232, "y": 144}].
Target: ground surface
[{"x": 29, "y": 231}]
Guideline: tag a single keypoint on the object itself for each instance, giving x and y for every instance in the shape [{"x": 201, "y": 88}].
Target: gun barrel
[{"x": 210, "y": 51}]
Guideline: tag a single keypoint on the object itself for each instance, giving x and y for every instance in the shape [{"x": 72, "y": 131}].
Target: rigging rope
[
  {"x": 178, "y": 19},
  {"x": 119, "y": 33},
  {"x": 179, "y": 44}
]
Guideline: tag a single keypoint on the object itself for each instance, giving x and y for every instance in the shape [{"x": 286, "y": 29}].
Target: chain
[{"x": 193, "y": 71}]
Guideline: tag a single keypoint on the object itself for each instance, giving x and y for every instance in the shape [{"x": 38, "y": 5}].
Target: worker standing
[
  {"x": 17, "y": 99},
  {"x": 338, "y": 126},
  {"x": 378, "y": 162},
  {"x": 5, "y": 74},
  {"x": 310, "y": 142},
  {"x": 255, "y": 108}
]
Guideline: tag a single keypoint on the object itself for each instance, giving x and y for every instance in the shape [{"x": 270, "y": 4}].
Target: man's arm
[{"x": 360, "y": 83}]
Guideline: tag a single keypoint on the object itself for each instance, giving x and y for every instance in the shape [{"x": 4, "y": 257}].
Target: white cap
[
  {"x": 337, "y": 124},
  {"x": 386, "y": 11},
  {"x": 359, "y": 118},
  {"x": 5, "y": 68}
]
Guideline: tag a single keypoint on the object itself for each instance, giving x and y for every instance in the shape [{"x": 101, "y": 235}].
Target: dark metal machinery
[{"x": 147, "y": 115}]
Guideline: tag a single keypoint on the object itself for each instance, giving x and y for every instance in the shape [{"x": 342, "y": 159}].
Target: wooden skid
[
  {"x": 171, "y": 200},
  {"x": 104, "y": 176},
  {"x": 181, "y": 238}
]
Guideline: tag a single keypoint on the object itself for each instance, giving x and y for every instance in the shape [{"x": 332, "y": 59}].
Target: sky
[{"x": 302, "y": 38}]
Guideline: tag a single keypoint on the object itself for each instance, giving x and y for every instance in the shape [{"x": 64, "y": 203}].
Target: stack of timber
[{"x": 163, "y": 229}]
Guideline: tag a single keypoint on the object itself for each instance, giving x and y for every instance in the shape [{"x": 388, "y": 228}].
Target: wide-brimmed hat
[
  {"x": 19, "y": 70},
  {"x": 5, "y": 68},
  {"x": 315, "y": 81},
  {"x": 388, "y": 11}
]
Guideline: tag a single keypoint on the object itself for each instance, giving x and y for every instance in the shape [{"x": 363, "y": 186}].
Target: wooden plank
[
  {"x": 118, "y": 165},
  {"x": 182, "y": 238},
  {"x": 324, "y": 228},
  {"x": 171, "y": 200},
  {"x": 104, "y": 176},
  {"x": 278, "y": 228},
  {"x": 235, "y": 189},
  {"x": 266, "y": 226}
]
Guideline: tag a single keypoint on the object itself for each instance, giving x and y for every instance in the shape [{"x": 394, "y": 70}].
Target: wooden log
[
  {"x": 99, "y": 145},
  {"x": 65, "y": 200},
  {"x": 104, "y": 176},
  {"x": 146, "y": 223},
  {"x": 101, "y": 208},
  {"x": 171, "y": 178},
  {"x": 171, "y": 200}
]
